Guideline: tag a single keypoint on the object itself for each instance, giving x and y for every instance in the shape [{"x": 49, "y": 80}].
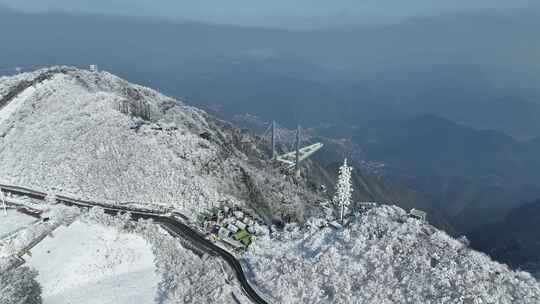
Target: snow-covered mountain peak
[
  {"x": 72, "y": 87},
  {"x": 98, "y": 136}
]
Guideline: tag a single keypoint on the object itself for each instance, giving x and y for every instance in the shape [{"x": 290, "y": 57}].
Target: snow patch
[
  {"x": 14, "y": 104},
  {"x": 90, "y": 263},
  {"x": 13, "y": 221}
]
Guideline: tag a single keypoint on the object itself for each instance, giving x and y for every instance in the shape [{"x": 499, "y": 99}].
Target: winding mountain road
[{"x": 174, "y": 226}]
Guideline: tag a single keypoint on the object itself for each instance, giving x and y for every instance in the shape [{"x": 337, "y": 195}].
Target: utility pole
[
  {"x": 297, "y": 148},
  {"x": 274, "y": 139},
  {"x": 3, "y": 202}
]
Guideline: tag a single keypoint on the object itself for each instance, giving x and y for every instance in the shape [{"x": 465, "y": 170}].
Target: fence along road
[{"x": 175, "y": 227}]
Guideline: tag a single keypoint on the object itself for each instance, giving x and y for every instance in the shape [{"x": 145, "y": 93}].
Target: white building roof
[
  {"x": 240, "y": 225},
  {"x": 232, "y": 228}
]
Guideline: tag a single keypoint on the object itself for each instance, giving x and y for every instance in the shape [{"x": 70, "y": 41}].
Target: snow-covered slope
[
  {"x": 98, "y": 136},
  {"x": 186, "y": 276},
  {"x": 13, "y": 221},
  {"x": 383, "y": 257},
  {"x": 90, "y": 263}
]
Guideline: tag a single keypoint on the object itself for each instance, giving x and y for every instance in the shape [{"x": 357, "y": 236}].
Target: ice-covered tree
[
  {"x": 381, "y": 259},
  {"x": 344, "y": 189}
]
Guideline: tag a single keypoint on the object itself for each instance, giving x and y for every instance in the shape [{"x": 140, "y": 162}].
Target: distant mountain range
[
  {"x": 448, "y": 106},
  {"x": 98, "y": 136},
  {"x": 429, "y": 145},
  {"x": 424, "y": 66},
  {"x": 471, "y": 177},
  {"x": 515, "y": 240}
]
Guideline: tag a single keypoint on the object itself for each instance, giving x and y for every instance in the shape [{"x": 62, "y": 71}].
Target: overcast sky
[{"x": 281, "y": 13}]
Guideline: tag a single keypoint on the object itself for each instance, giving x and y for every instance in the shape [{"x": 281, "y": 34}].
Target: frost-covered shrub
[
  {"x": 68, "y": 134},
  {"x": 71, "y": 132},
  {"x": 19, "y": 286},
  {"x": 379, "y": 259},
  {"x": 185, "y": 276}
]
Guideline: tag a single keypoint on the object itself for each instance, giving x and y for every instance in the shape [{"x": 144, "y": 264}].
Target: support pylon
[
  {"x": 3, "y": 202},
  {"x": 274, "y": 154},
  {"x": 297, "y": 148}
]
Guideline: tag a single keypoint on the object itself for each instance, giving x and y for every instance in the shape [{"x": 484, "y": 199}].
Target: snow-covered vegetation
[
  {"x": 100, "y": 258},
  {"x": 185, "y": 277},
  {"x": 20, "y": 286},
  {"x": 90, "y": 263},
  {"x": 22, "y": 240},
  {"x": 94, "y": 135},
  {"x": 67, "y": 133},
  {"x": 97, "y": 136},
  {"x": 383, "y": 257},
  {"x": 343, "y": 189}
]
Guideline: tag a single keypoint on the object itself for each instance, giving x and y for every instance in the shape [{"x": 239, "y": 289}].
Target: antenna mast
[
  {"x": 297, "y": 148},
  {"x": 3, "y": 202},
  {"x": 274, "y": 139}
]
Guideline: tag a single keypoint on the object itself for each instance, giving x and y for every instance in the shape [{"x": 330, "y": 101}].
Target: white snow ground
[
  {"x": 90, "y": 263},
  {"x": 185, "y": 276},
  {"x": 383, "y": 257},
  {"x": 71, "y": 134},
  {"x": 13, "y": 221},
  {"x": 11, "y": 107}
]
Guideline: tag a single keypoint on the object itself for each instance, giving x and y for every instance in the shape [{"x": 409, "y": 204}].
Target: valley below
[{"x": 93, "y": 140}]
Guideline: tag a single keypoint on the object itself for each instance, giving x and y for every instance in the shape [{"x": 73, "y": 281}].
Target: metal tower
[
  {"x": 274, "y": 154},
  {"x": 274, "y": 133},
  {"x": 3, "y": 202},
  {"x": 297, "y": 148}
]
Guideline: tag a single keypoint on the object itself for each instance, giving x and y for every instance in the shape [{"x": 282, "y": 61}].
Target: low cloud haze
[
  {"x": 448, "y": 64},
  {"x": 277, "y": 13}
]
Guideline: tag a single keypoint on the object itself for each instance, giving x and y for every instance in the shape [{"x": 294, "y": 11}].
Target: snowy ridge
[
  {"x": 13, "y": 104},
  {"x": 67, "y": 133},
  {"x": 383, "y": 257},
  {"x": 97, "y": 136}
]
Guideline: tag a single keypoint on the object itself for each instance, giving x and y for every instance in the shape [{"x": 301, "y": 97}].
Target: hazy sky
[{"x": 281, "y": 13}]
